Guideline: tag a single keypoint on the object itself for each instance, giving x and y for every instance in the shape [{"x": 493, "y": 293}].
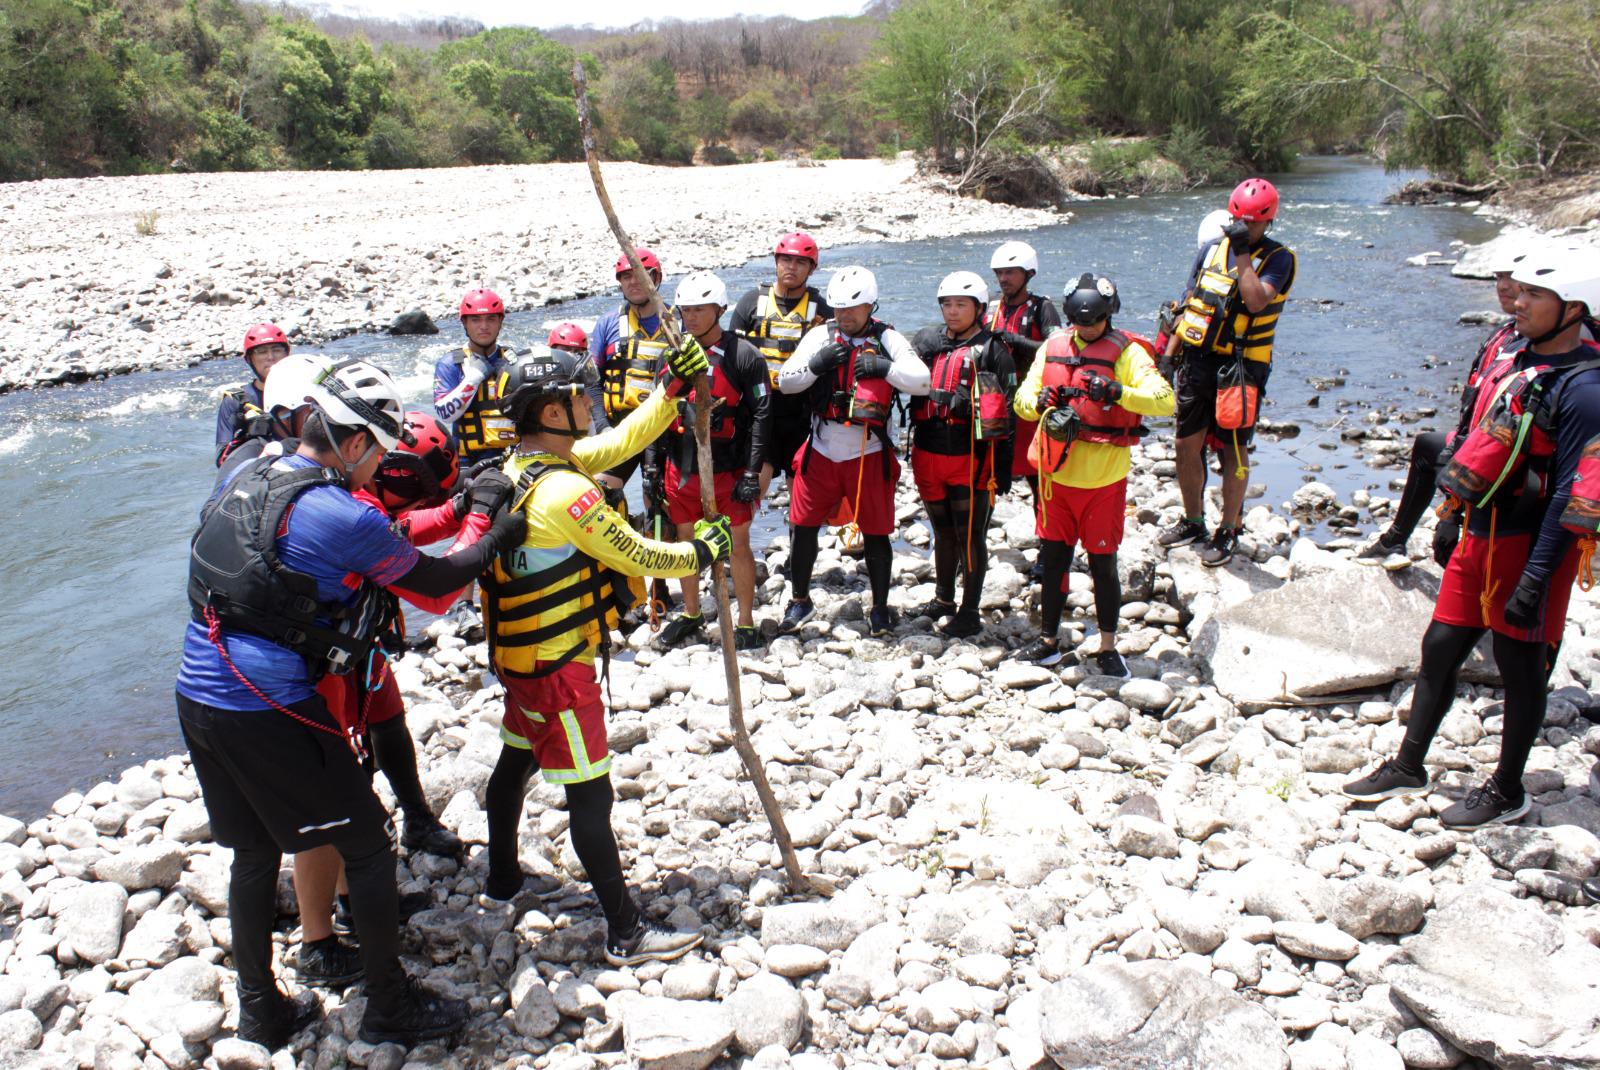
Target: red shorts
[
  {"x": 936, "y": 472},
  {"x": 1020, "y": 464},
  {"x": 562, "y": 719},
  {"x": 343, "y": 696},
  {"x": 683, "y": 503},
  {"x": 1470, "y": 570},
  {"x": 825, "y": 491},
  {"x": 1091, "y": 518}
]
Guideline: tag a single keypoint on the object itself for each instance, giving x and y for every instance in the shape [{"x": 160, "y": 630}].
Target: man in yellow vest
[
  {"x": 1224, "y": 333},
  {"x": 550, "y": 605},
  {"x": 1089, "y": 385},
  {"x": 465, "y": 383}
]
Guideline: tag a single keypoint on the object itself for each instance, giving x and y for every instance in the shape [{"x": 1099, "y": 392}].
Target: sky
[{"x": 600, "y": 13}]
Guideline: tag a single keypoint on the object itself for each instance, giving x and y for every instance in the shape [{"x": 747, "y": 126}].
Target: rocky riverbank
[
  {"x": 112, "y": 275},
  {"x": 1036, "y": 866}
]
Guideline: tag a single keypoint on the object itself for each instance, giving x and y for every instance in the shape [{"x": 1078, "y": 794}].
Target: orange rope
[
  {"x": 850, "y": 534},
  {"x": 1491, "y": 585},
  {"x": 1586, "y": 563}
]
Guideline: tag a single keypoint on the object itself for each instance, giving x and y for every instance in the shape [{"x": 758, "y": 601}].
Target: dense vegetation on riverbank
[{"x": 1474, "y": 90}]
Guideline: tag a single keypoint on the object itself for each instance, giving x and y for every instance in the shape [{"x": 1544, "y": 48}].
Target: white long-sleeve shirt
[{"x": 834, "y": 439}]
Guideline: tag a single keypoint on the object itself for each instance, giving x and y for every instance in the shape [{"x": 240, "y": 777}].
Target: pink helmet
[
  {"x": 1254, "y": 200},
  {"x": 646, "y": 257},
  {"x": 797, "y": 244},
  {"x": 482, "y": 303},
  {"x": 264, "y": 334},
  {"x": 568, "y": 334}
]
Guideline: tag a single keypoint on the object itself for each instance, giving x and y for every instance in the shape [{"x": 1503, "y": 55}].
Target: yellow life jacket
[
  {"x": 631, "y": 364},
  {"x": 1214, "y": 318},
  {"x": 777, "y": 333},
  {"x": 482, "y": 427},
  {"x": 537, "y": 596}
]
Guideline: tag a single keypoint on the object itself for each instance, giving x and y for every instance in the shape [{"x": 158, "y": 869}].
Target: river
[{"x": 105, "y": 478}]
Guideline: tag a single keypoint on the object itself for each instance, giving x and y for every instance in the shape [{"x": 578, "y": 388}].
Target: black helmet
[
  {"x": 538, "y": 377},
  {"x": 1091, "y": 299}
]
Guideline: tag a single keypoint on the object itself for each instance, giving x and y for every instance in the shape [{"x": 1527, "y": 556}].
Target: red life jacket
[
  {"x": 959, "y": 388},
  {"x": 1490, "y": 357},
  {"x": 1582, "y": 514},
  {"x": 1068, "y": 365},
  {"x": 844, "y": 398},
  {"x": 723, "y": 390}
]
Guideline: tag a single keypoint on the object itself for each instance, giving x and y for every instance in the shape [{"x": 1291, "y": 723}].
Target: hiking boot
[
  {"x": 1218, "y": 550},
  {"x": 681, "y": 628},
  {"x": 329, "y": 963},
  {"x": 798, "y": 613},
  {"x": 271, "y": 1018},
  {"x": 426, "y": 834},
  {"x": 1486, "y": 805},
  {"x": 1385, "y": 782},
  {"x": 650, "y": 942},
  {"x": 419, "y": 1015},
  {"x": 1040, "y": 652},
  {"x": 747, "y": 637},
  {"x": 1182, "y": 533},
  {"x": 880, "y": 622},
  {"x": 964, "y": 625},
  {"x": 936, "y": 609},
  {"x": 1110, "y": 663}
]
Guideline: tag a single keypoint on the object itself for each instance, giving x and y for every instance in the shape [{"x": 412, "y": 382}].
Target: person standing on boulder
[
  {"x": 465, "y": 383},
  {"x": 1224, "y": 335},
  {"x": 241, "y": 414},
  {"x": 961, "y": 441},
  {"x": 740, "y": 426},
  {"x": 1513, "y": 571},
  {"x": 774, "y": 319},
  {"x": 1022, "y": 320},
  {"x": 1089, "y": 387},
  {"x": 849, "y": 369}
]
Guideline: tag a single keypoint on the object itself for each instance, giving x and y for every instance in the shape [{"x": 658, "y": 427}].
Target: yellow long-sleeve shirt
[{"x": 1099, "y": 464}]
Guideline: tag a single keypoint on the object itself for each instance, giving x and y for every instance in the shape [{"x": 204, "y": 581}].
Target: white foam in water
[
  {"x": 160, "y": 401},
  {"x": 16, "y": 441}
]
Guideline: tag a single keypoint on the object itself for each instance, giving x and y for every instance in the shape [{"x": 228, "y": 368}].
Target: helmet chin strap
[
  {"x": 571, "y": 430},
  {"x": 1557, "y": 329}
]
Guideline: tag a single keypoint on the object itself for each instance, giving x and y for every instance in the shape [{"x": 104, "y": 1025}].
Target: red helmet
[
  {"x": 797, "y": 244},
  {"x": 1254, "y": 200},
  {"x": 264, "y": 334},
  {"x": 568, "y": 334},
  {"x": 420, "y": 472},
  {"x": 646, "y": 257},
  {"x": 482, "y": 303}
]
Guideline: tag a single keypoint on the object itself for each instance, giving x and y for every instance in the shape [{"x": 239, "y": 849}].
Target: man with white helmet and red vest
[
  {"x": 961, "y": 442},
  {"x": 626, "y": 346},
  {"x": 774, "y": 318},
  {"x": 740, "y": 426},
  {"x": 1089, "y": 387},
  {"x": 241, "y": 413},
  {"x": 286, "y": 579},
  {"x": 849, "y": 368},
  {"x": 465, "y": 383},
  {"x": 1022, "y": 320},
  {"x": 1512, "y": 572},
  {"x": 1224, "y": 334}
]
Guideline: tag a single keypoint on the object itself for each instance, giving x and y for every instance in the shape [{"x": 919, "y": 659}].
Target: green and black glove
[{"x": 713, "y": 540}]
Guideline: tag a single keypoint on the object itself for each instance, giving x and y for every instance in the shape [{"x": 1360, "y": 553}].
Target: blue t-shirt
[
  {"x": 334, "y": 539},
  {"x": 1277, "y": 266},
  {"x": 228, "y": 411}
]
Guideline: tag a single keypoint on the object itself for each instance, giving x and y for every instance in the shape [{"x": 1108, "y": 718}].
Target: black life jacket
[
  {"x": 249, "y": 422},
  {"x": 237, "y": 578}
]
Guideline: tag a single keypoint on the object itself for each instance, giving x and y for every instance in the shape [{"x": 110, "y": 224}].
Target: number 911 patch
[{"x": 581, "y": 508}]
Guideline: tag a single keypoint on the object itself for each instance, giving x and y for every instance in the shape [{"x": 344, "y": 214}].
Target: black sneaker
[
  {"x": 681, "y": 628},
  {"x": 271, "y": 1018},
  {"x": 880, "y": 621},
  {"x": 1040, "y": 652},
  {"x": 329, "y": 963},
  {"x": 747, "y": 637},
  {"x": 964, "y": 625},
  {"x": 1219, "y": 548},
  {"x": 1381, "y": 547},
  {"x": 419, "y": 1015},
  {"x": 411, "y": 904},
  {"x": 1485, "y": 805},
  {"x": 1591, "y": 888},
  {"x": 650, "y": 942},
  {"x": 1182, "y": 533},
  {"x": 1036, "y": 572},
  {"x": 798, "y": 613},
  {"x": 1385, "y": 782},
  {"x": 502, "y": 889},
  {"x": 1110, "y": 663},
  {"x": 426, "y": 834},
  {"x": 936, "y": 609}
]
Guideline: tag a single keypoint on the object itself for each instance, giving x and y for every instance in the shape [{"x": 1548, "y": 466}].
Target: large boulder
[
  {"x": 1114, "y": 1015},
  {"x": 89, "y": 919},
  {"x": 1502, "y": 980},
  {"x": 415, "y": 321}
]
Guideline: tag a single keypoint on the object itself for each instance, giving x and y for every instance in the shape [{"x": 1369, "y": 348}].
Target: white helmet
[
  {"x": 1572, "y": 271},
  {"x": 701, "y": 288},
  {"x": 965, "y": 284},
  {"x": 1015, "y": 254},
  {"x": 1211, "y": 227},
  {"x": 851, "y": 286},
  {"x": 289, "y": 383},
  {"x": 363, "y": 396}
]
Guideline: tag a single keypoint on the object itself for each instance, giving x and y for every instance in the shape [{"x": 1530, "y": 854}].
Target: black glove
[
  {"x": 1054, "y": 397},
  {"x": 1238, "y": 235},
  {"x": 508, "y": 530},
  {"x": 747, "y": 488},
  {"x": 1523, "y": 607},
  {"x": 1445, "y": 537},
  {"x": 488, "y": 492},
  {"x": 650, "y": 483},
  {"x": 829, "y": 357},
  {"x": 872, "y": 365},
  {"x": 616, "y": 497},
  {"x": 1103, "y": 390}
]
